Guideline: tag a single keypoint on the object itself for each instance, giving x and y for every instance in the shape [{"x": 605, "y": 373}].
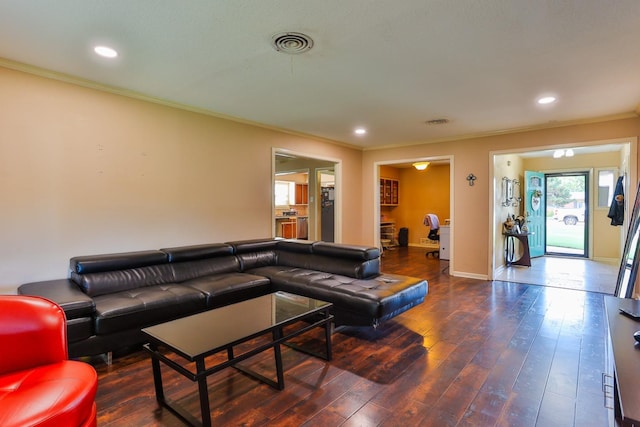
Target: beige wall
[
  {"x": 86, "y": 172},
  {"x": 472, "y": 237}
]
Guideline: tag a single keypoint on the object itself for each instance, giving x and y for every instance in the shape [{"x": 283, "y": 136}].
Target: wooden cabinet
[
  {"x": 389, "y": 189},
  {"x": 621, "y": 380},
  {"x": 289, "y": 230},
  {"x": 302, "y": 194}
]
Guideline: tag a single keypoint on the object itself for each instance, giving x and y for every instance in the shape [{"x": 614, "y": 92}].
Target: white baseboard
[{"x": 469, "y": 275}]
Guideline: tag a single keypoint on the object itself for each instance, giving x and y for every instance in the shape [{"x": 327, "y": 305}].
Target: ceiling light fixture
[
  {"x": 563, "y": 153},
  {"x": 420, "y": 165},
  {"x": 547, "y": 100},
  {"x": 360, "y": 131},
  {"x": 105, "y": 51}
]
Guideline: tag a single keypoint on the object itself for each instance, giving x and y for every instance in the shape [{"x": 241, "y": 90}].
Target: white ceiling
[{"x": 386, "y": 65}]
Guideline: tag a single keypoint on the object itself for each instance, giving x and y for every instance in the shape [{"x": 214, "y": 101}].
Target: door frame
[
  {"x": 628, "y": 166},
  {"x": 376, "y": 198},
  {"x": 588, "y": 226},
  {"x": 337, "y": 167}
]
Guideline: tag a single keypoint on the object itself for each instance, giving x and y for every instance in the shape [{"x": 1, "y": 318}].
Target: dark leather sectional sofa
[{"x": 108, "y": 298}]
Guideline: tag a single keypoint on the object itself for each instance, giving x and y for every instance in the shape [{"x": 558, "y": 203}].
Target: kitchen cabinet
[
  {"x": 302, "y": 194},
  {"x": 289, "y": 230},
  {"x": 389, "y": 191}
]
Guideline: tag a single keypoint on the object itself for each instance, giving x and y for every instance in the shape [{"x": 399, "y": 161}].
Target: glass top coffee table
[{"x": 279, "y": 317}]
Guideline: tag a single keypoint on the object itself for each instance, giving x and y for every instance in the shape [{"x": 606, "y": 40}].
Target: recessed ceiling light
[
  {"x": 105, "y": 51},
  {"x": 547, "y": 100},
  {"x": 360, "y": 131}
]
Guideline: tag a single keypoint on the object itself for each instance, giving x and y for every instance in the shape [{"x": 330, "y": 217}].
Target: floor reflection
[{"x": 568, "y": 273}]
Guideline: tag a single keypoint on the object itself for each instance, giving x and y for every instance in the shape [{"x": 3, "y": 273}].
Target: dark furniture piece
[
  {"x": 109, "y": 298},
  {"x": 433, "y": 222},
  {"x": 39, "y": 386},
  {"x": 624, "y": 360},
  {"x": 510, "y": 256},
  {"x": 279, "y": 316}
]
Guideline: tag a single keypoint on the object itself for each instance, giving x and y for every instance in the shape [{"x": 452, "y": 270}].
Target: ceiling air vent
[
  {"x": 292, "y": 43},
  {"x": 437, "y": 122}
]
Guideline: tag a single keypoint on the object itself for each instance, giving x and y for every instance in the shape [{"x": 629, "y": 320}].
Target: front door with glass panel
[{"x": 534, "y": 207}]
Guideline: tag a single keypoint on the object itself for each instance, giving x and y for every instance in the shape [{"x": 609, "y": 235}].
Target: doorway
[
  {"x": 296, "y": 195},
  {"x": 404, "y": 194},
  {"x": 609, "y": 159},
  {"x": 567, "y": 207}
]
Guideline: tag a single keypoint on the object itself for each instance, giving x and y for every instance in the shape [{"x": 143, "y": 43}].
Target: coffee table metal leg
[
  {"x": 277, "y": 334},
  {"x": 327, "y": 334},
  {"x": 203, "y": 391},
  {"x": 157, "y": 375}
]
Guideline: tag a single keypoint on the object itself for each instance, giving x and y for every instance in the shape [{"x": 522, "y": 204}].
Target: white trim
[{"x": 469, "y": 275}]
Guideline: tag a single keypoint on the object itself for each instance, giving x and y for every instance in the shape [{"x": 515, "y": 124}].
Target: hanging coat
[{"x": 616, "y": 210}]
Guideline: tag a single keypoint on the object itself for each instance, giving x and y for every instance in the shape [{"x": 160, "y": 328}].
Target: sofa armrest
[{"x": 65, "y": 293}]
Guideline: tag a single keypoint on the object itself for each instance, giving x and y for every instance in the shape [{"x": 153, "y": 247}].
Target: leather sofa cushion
[
  {"x": 379, "y": 297},
  {"x": 65, "y": 293},
  {"x": 256, "y": 259},
  {"x": 108, "y": 282},
  {"x": 345, "y": 251},
  {"x": 196, "y": 252},
  {"x": 299, "y": 246},
  {"x": 191, "y": 269},
  {"x": 254, "y": 245},
  {"x": 140, "y": 307},
  {"x": 117, "y": 261},
  {"x": 350, "y": 267},
  {"x": 79, "y": 328},
  {"x": 229, "y": 288}
]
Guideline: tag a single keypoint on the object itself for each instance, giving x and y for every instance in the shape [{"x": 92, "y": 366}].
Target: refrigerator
[{"x": 326, "y": 214}]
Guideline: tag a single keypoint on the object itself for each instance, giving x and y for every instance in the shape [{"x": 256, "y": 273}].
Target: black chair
[{"x": 431, "y": 221}]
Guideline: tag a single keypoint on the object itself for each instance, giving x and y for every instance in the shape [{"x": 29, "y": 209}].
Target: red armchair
[{"x": 39, "y": 386}]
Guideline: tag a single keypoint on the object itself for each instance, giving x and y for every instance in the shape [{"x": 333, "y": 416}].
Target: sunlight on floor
[{"x": 565, "y": 272}]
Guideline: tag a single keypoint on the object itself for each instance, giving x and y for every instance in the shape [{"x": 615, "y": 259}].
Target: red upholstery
[{"x": 39, "y": 386}]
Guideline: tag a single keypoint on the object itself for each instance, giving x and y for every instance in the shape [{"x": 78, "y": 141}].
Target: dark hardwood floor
[{"x": 475, "y": 353}]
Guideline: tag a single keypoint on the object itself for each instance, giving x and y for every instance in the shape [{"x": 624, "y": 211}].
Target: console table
[
  {"x": 510, "y": 256},
  {"x": 624, "y": 360}
]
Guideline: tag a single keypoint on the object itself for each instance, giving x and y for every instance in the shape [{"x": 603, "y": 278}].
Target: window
[
  {"x": 606, "y": 186},
  {"x": 285, "y": 193}
]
